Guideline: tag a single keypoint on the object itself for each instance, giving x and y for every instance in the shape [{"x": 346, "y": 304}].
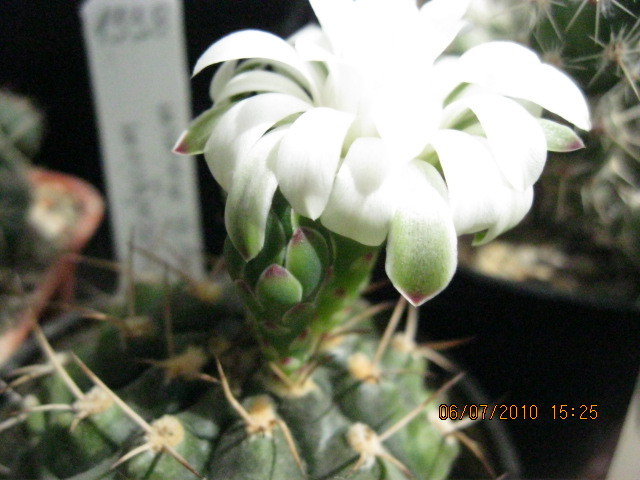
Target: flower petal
[
  {"x": 516, "y": 71},
  {"x": 479, "y": 196},
  {"x": 422, "y": 244},
  {"x": 361, "y": 203},
  {"x": 335, "y": 17},
  {"x": 439, "y": 21},
  {"x": 239, "y": 129},
  {"x": 260, "y": 81},
  {"x": 223, "y": 74},
  {"x": 406, "y": 116},
  {"x": 519, "y": 203},
  {"x": 251, "y": 195},
  {"x": 312, "y": 44},
  {"x": 308, "y": 159},
  {"x": 257, "y": 44},
  {"x": 516, "y": 138}
]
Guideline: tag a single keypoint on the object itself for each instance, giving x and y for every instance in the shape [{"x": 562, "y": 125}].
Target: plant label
[{"x": 139, "y": 73}]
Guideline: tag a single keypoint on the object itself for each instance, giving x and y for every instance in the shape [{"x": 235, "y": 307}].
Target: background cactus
[
  {"x": 588, "y": 198},
  {"x": 20, "y": 136},
  {"x": 21, "y": 251}
]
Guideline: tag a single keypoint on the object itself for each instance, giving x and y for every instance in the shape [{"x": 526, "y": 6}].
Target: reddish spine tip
[{"x": 181, "y": 147}]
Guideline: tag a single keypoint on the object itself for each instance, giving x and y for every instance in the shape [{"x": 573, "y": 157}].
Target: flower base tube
[{"x": 301, "y": 287}]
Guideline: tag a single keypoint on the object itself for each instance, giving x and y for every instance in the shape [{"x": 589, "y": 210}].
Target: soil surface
[{"x": 568, "y": 265}]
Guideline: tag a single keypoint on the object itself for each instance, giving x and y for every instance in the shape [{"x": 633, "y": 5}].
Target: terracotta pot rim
[{"x": 61, "y": 271}]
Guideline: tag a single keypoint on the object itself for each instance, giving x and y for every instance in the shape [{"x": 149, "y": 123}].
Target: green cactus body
[
  {"x": 596, "y": 42},
  {"x": 20, "y": 137},
  {"x": 314, "y": 416}
]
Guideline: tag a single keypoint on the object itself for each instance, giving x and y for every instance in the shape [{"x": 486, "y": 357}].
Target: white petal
[
  {"x": 519, "y": 204},
  {"x": 479, "y": 196},
  {"x": 336, "y": 18},
  {"x": 241, "y": 127},
  {"x": 516, "y": 138},
  {"x": 251, "y": 195},
  {"x": 514, "y": 70},
  {"x": 343, "y": 88},
  {"x": 260, "y": 81},
  {"x": 308, "y": 159},
  {"x": 406, "y": 114},
  {"x": 312, "y": 44},
  {"x": 440, "y": 21},
  {"x": 422, "y": 245},
  {"x": 558, "y": 93},
  {"x": 257, "y": 44},
  {"x": 362, "y": 201},
  {"x": 222, "y": 76}
]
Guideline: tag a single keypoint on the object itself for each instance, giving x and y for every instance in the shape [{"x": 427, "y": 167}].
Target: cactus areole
[{"x": 348, "y": 136}]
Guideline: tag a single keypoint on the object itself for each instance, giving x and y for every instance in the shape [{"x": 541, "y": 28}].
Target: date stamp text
[{"x": 471, "y": 411}]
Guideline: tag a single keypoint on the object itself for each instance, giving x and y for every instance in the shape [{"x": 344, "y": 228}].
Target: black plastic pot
[{"x": 539, "y": 349}]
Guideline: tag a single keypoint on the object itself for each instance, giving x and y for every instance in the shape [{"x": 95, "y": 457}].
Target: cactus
[
  {"x": 324, "y": 164},
  {"x": 20, "y": 136},
  {"x": 21, "y": 252},
  {"x": 589, "y": 195},
  {"x": 177, "y": 384}
]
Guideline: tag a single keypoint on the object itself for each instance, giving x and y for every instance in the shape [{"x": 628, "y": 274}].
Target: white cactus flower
[{"x": 364, "y": 124}]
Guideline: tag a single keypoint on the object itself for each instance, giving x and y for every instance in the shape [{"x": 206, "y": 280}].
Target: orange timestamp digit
[
  {"x": 487, "y": 412},
  {"x": 581, "y": 412}
]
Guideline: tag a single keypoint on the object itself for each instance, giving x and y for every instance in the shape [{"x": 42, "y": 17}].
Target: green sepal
[
  {"x": 193, "y": 140},
  {"x": 560, "y": 138},
  {"x": 307, "y": 258},
  {"x": 249, "y": 298},
  {"x": 278, "y": 290},
  {"x": 421, "y": 250},
  {"x": 234, "y": 262},
  {"x": 272, "y": 252},
  {"x": 299, "y": 317},
  {"x": 281, "y": 209}
]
